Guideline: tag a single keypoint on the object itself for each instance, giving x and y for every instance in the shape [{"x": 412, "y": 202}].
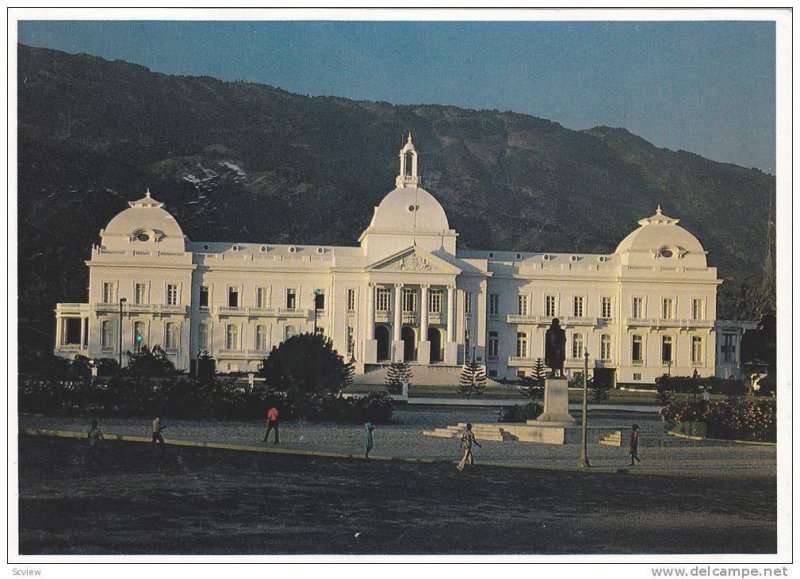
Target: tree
[
  {"x": 305, "y": 363},
  {"x": 600, "y": 389},
  {"x": 533, "y": 386},
  {"x": 399, "y": 373},
  {"x": 150, "y": 363},
  {"x": 473, "y": 379}
]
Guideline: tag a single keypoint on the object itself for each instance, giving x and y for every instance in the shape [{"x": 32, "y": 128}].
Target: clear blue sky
[{"x": 705, "y": 87}]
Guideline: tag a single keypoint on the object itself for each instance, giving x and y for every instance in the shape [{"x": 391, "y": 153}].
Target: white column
[
  {"x": 398, "y": 311},
  {"x": 370, "y": 317},
  {"x": 83, "y": 331},
  {"x": 59, "y": 330},
  {"x": 451, "y": 314},
  {"x": 423, "y": 318}
]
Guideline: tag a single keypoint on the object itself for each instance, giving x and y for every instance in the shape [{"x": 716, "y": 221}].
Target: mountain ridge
[{"x": 253, "y": 163}]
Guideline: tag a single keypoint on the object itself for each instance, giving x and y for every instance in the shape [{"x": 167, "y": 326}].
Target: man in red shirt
[{"x": 272, "y": 423}]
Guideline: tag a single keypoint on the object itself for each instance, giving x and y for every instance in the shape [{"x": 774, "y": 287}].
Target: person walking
[
  {"x": 95, "y": 435},
  {"x": 635, "y": 445},
  {"x": 272, "y": 424},
  {"x": 467, "y": 440},
  {"x": 368, "y": 439},
  {"x": 157, "y": 437}
]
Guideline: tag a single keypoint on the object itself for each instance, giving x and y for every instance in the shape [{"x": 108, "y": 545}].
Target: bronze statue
[{"x": 555, "y": 342}]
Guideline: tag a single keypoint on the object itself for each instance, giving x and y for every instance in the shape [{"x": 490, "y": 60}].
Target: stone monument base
[{"x": 556, "y": 404}]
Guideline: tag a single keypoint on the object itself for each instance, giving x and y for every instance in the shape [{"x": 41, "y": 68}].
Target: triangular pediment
[{"x": 414, "y": 260}]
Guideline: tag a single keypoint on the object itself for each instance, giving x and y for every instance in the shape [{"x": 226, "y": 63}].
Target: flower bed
[{"x": 736, "y": 418}]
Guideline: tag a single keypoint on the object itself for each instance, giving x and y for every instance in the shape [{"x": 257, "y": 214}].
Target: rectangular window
[
  {"x": 728, "y": 348},
  {"x": 138, "y": 335},
  {"x": 351, "y": 341},
  {"x": 494, "y": 345},
  {"x": 435, "y": 301},
  {"x": 106, "y": 335},
  {"x": 351, "y": 300},
  {"x": 577, "y": 306},
  {"x": 637, "y": 312},
  {"x": 577, "y": 345},
  {"x": 289, "y": 331},
  {"x": 605, "y": 347},
  {"x": 383, "y": 298},
  {"x": 666, "y": 350},
  {"x": 291, "y": 299},
  {"x": 171, "y": 336},
  {"x": 667, "y": 309},
  {"x": 202, "y": 337},
  {"x": 261, "y": 337},
  {"x": 697, "y": 309},
  {"x": 261, "y": 297},
  {"x": 202, "y": 302},
  {"x": 550, "y": 309},
  {"x": 697, "y": 350},
  {"x": 468, "y": 304},
  {"x": 522, "y": 305},
  {"x": 494, "y": 304},
  {"x": 637, "y": 376},
  {"x": 605, "y": 308},
  {"x": 231, "y": 337},
  {"x": 108, "y": 292},
  {"x": 409, "y": 300},
  {"x": 140, "y": 293},
  {"x": 172, "y": 294},
  {"x": 522, "y": 345},
  {"x": 637, "y": 350}
]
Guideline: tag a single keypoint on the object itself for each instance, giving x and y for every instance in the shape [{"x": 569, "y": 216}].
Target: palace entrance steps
[
  {"x": 531, "y": 431},
  {"x": 433, "y": 375}
]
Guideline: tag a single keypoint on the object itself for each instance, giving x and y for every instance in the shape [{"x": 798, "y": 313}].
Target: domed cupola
[
  {"x": 144, "y": 226},
  {"x": 659, "y": 240},
  {"x": 408, "y": 215}
]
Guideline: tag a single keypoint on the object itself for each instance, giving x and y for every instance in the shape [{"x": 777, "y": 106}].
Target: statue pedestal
[
  {"x": 424, "y": 352},
  {"x": 556, "y": 404}
]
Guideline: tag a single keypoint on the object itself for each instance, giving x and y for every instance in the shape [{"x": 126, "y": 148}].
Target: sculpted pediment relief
[{"x": 414, "y": 262}]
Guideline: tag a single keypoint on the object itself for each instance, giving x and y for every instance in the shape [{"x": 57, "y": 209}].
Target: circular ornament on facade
[
  {"x": 263, "y": 248},
  {"x": 602, "y": 258},
  {"x": 292, "y": 249},
  {"x": 142, "y": 237},
  {"x": 491, "y": 254},
  {"x": 573, "y": 258},
  {"x": 412, "y": 208},
  {"x": 519, "y": 256},
  {"x": 320, "y": 250},
  {"x": 665, "y": 252},
  {"x": 235, "y": 248},
  {"x": 546, "y": 257},
  {"x": 205, "y": 247}
]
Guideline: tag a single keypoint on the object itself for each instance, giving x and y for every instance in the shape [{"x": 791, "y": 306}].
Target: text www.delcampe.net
[{"x": 710, "y": 571}]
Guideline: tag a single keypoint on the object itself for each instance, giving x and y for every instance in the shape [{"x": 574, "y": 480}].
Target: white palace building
[{"x": 404, "y": 293}]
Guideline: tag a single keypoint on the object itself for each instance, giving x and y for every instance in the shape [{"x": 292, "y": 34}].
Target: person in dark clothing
[
  {"x": 95, "y": 435},
  {"x": 635, "y": 445},
  {"x": 368, "y": 439},
  {"x": 157, "y": 438}
]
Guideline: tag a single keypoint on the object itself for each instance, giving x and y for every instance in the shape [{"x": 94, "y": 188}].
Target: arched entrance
[
  {"x": 382, "y": 337},
  {"x": 409, "y": 344},
  {"x": 435, "y": 337}
]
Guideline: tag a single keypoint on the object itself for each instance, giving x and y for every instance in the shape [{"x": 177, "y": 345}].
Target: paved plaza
[{"x": 404, "y": 439}]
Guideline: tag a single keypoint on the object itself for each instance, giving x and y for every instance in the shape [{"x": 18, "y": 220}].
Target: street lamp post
[
  {"x": 584, "y": 462},
  {"x": 121, "y": 301}
]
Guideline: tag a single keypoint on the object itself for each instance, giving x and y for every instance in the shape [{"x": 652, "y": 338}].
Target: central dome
[
  {"x": 409, "y": 210},
  {"x": 408, "y": 216}
]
